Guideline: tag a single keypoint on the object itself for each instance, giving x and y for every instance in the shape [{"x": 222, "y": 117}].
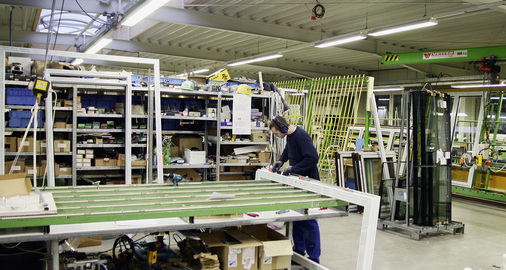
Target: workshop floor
[{"x": 480, "y": 247}]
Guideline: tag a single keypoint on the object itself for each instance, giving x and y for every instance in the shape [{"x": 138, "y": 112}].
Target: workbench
[{"x": 85, "y": 211}]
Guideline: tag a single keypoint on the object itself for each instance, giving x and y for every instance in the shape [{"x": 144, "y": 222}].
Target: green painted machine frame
[{"x": 85, "y": 204}]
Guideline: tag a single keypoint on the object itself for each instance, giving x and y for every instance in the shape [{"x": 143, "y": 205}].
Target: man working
[{"x": 303, "y": 158}]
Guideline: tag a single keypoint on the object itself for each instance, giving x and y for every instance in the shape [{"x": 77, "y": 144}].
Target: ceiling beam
[
  {"x": 36, "y": 37},
  {"x": 89, "y": 6},
  {"x": 203, "y": 19}
]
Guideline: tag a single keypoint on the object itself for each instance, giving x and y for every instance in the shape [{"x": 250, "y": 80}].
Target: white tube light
[
  {"x": 202, "y": 70},
  {"x": 263, "y": 58},
  {"x": 391, "y": 89},
  {"x": 143, "y": 11},
  {"x": 431, "y": 22},
  {"x": 98, "y": 45},
  {"x": 503, "y": 84},
  {"x": 340, "y": 41},
  {"x": 77, "y": 62}
]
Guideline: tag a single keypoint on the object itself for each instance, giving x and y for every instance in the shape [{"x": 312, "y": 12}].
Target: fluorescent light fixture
[
  {"x": 182, "y": 74},
  {"x": 341, "y": 41},
  {"x": 503, "y": 84},
  {"x": 202, "y": 70},
  {"x": 383, "y": 99},
  {"x": 390, "y": 89},
  {"x": 143, "y": 11},
  {"x": 504, "y": 97},
  {"x": 258, "y": 59},
  {"x": 431, "y": 22},
  {"x": 98, "y": 45},
  {"x": 77, "y": 62}
]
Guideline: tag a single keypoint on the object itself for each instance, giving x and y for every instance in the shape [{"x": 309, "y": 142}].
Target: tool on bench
[{"x": 176, "y": 178}]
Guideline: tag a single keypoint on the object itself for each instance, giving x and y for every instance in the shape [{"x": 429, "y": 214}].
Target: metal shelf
[
  {"x": 22, "y": 129},
  {"x": 135, "y": 130},
  {"x": 101, "y": 168},
  {"x": 24, "y": 153},
  {"x": 188, "y": 166},
  {"x": 23, "y": 107},
  {"x": 183, "y": 132},
  {"x": 189, "y": 117},
  {"x": 101, "y": 115},
  {"x": 244, "y": 164},
  {"x": 139, "y": 145},
  {"x": 20, "y": 83},
  {"x": 100, "y": 145},
  {"x": 63, "y": 153},
  {"x": 139, "y": 116},
  {"x": 63, "y": 108},
  {"x": 62, "y": 130},
  {"x": 244, "y": 143},
  {"x": 103, "y": 130},
  {"x": 252, "y": 128},
  {"x": 63, "y": 177}
]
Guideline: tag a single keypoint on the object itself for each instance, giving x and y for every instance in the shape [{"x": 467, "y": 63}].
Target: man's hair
[{"x": 281, "y": 120}]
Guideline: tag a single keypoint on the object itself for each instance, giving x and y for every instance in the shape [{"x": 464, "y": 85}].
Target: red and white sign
[{"x": 444, "y": 54}]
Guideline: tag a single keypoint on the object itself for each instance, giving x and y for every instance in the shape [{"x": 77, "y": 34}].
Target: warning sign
[
  {"x": 444, "y": 54},
  {"x": 391, "y": 57}
]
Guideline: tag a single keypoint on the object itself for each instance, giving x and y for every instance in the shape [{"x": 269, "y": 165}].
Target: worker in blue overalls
[{"x": 303, "y": 158}]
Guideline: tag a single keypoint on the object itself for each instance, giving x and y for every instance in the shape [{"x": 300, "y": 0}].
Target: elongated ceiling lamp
[
  {"x": 101, "y": 43},
  {"x": 342, "y": 40},
  {"x": 258, "y": 59},
  {"x": 408, "y": 27},
  {"x": 143, "y": 11}
]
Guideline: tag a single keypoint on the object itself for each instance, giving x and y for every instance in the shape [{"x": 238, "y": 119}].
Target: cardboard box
[
  {"x": 19, "y": 168},
  {"x": 15, "y": 185},
  {"x": 188, "y": 141},
  {"x": 137, "y": 179},
  {"x": 236, "y": 169},
  {"x": 121, "y": 160},
  {"x": 105, "y": 162},
  {"x": 264, "y": 157},
  {"x": 60, "y": 125},
  {"x": 139, "y": 163},
  {"x": 28, "y": 145},
  {"x": 43, "y": 145},
  {"x": 189, "y": 174},
  {"x": 258, "y": 137},
  {"x": 29, "y": 170},
  {"x": 11, "y": 144},
  {"x": 61, "y": 146},
  {"x": 81, "y": 152},
  {"x": 194, "y": 157},
  {"x": 67, "y": 103},
  {"x": 236, "y": 250},
  {"x": 276, "y": 250},
  {"x": 61, "y": 169}
]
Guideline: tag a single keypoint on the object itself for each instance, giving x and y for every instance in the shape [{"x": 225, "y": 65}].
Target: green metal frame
[
  {"x": 479, "y": 193},
  {"x": 453, "y": 55},
  {"x": 114, "y": 203}
]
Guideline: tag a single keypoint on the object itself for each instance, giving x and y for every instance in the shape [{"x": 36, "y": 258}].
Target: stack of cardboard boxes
[{"x": 253, "y": 247}]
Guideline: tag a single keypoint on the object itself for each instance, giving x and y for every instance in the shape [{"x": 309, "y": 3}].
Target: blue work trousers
[{"x": 306, "y": 239}]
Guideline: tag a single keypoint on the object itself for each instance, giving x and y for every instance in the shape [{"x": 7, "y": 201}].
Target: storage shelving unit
[
  {"x": 266, "y": 103},
  {"x": 152, "y": 64},
  {"x": 83, "y": 83}
]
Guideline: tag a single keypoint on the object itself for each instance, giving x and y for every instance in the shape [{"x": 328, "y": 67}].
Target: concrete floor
[{"x": 480, "y": 247}]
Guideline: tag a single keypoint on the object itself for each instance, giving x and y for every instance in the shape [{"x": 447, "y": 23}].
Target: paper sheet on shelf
[
  {"x": 220, "y": 196},
  {"x": 241, "y": 123}
]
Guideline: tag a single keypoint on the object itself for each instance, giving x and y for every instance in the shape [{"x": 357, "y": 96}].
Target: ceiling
[{"x": 193, "y": 34}]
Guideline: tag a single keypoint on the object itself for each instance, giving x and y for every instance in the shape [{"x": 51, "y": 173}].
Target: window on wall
[{"x": 383, "y": 104}]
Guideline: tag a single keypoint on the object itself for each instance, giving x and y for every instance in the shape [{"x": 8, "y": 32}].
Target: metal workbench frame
[
  {"x": 306, "y": 197},
  {"x": 370, "y": 203}
]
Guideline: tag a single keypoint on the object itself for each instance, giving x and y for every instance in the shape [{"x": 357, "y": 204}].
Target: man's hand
[
  {"x": 287, "y": 170},
  {"x": 276, "y": 166}
]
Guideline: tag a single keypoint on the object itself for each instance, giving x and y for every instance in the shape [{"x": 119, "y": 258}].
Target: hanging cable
[
  {"x": 95, "y": 20},
  {"x": 49, "y": 36},
  {"x": 10, "y": 26},
  {"x": 318, "y": 11},
  {"x": 58, "y": 28}
]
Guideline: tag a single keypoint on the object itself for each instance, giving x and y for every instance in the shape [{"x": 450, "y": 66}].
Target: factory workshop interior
[{"x": 171, "y": 134}]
